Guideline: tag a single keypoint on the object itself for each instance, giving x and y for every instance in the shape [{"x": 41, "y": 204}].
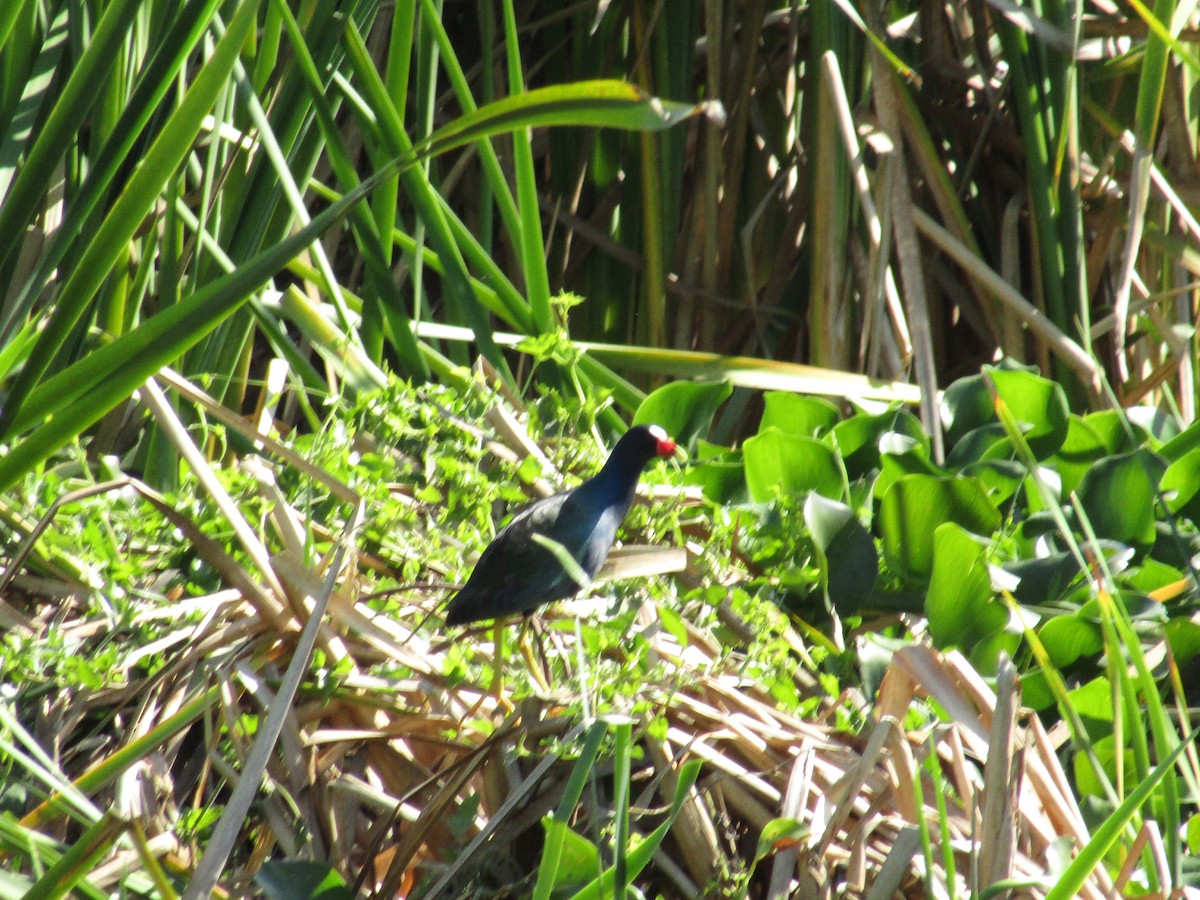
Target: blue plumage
[{"x": 516, "y": 574}]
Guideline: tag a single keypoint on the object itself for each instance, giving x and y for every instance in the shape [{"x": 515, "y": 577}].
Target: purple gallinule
[{"x": 521, "y": 569}]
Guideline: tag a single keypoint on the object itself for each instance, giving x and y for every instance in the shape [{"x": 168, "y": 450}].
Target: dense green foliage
[{"x": 252, "y": 252}]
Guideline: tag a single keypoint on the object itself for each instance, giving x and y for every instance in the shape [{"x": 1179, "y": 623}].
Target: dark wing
[{"x": 515, "y": 574}]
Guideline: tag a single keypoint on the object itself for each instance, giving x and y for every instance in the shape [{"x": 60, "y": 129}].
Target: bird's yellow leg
[
  {"x": 526, "y": 649},
  {"x": 497, "y": 687}
]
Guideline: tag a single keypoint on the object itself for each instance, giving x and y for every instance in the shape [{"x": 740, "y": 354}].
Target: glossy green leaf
[
  {"x": 1081, "y": 448},
  {"x": 1039, "y": 406},
  {"x": 719, "y": 472},
  {"x": 913, "y": 508},
  {"x": 1183, "y": 635},
  {"x": 959, "y": 604},
  {"x": 1001, "y": 478},
  {"x": 1043, "y": 579},
  {"x": 1118, "y": 497},
  {"x": 1066, "y": 638},
  {"x": 846, "y": 553},
  {"x": 858, "y": 438},
  {"x": 1185, "y": 442},
  {"x": 1091, "y": 783},
  {"x": 301, "y": 879},
  {"x": 966, "y": 405},
  {"x": 1113, "y": 427},
  {"x": 579, "y": 858},
  {"x": 797, "y": 415},
  {"x": 983, "y": 443},
  {"x": 894, "y": 465},
  {"x": 792, "y": 466},
  {"x": 1180, "y": 485},
  {"x": 684, "y": 408}
]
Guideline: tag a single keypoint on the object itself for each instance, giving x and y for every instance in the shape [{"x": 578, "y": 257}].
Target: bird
[{"x": 521, "y": 570}]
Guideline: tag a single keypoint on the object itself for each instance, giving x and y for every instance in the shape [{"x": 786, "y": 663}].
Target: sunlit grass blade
[
  {"x": 123, "y": 220},
  {"x": 1110, "y": 829},
  {"x": 64, "y": 121}
]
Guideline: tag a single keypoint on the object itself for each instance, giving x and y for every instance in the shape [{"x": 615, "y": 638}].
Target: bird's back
[{"x": 516, "y": 573}]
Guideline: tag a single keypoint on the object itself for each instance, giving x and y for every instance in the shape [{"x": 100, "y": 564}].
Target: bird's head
[
  {"x": 642, "y": 443},
  {"x": 663, "y": 445}
]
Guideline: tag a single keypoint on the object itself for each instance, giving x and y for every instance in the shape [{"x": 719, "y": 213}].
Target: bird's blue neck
[{"x": 616, "y": 482}]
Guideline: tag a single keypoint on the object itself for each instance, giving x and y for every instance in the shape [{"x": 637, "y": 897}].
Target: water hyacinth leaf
[
  {"x": 914, "y": 507},
  {"x": 1090, "y": 783},
  {"x": 1045, "y": 579},
  {"x": 1038, "y": 404},
  {"x": 846, "y": 552},
  {"x": 300, "y": 879},
  {"x": 893, "y": 465},
  {"x": 1118, "y": 496},
  {"x": 1113, "y": 428},
  {"x": 579, "y": 858},
  {"x": 858, "y": 438},
  {"x": 966, "y": 405},
  {"x": 1066, "y": 638},
  {"x": 719, "y": 472},
  {"x": 792, "y": 466},
  {"x": 1083, "y": 446},
  {"x": 796, "y": 415},
  {"x": 1180, "y": 485},
  {"x": 1183, "y": 443},
  {"x": 1094, "y": 703},
  {"x": 684, "y": 408},
  {"x": 1183, "y": 635},
  {"x": 982, "y": 443},
  {"x": 959, "y": 604},
  {"x": 1001, "y": 478}
]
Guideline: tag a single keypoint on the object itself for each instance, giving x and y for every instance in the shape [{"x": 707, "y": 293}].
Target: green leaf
[
  {"x": 1183, "y": 636},
  {"x": 987, "y": 442},
  {"x": 1182, "y": 444},
  {"x": 578, "y": 859},
  {"x": 673, "y": 623},
  {"x": 640, "y": 855},
  {"x": 1090, "y": 782},
  {"x": 959, "y": 604},
  {"x": 1043, "y": 579},
  {"x": 1117, "y": 495},
  {"x": 1094, "y": 701},
  {"x": 80, "y": 395},
  {"x": 846, "y": 551},
  {"x": 778, "y": 831},
  {"x": 684, "y": 408},
  {"x": 966, "y": 405},
  {"x": 1066, "y": 638},
  {"x": 797, "y": 415},
  {"x": 1180, "y": 485},
  {"x": 858, "y": 438},
  {"x": 301, "y": 879},
  {"x": 1039, "y": 406},
  {"x": 914, "y": 507},
  {"x": 1001, "y": 478},
  {"x": 1081, "y": 448},
  {"x": 904, "y": 457},
  {"x": 719, "y": 472},
  {"x": 600, "y": 103},
  {"x": 792, "y": 466}
]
